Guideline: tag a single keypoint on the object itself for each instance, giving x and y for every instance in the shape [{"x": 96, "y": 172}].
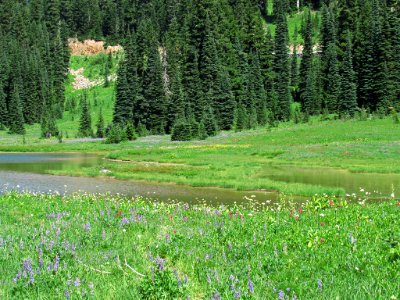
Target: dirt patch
[{"x": 91, "y": 47}]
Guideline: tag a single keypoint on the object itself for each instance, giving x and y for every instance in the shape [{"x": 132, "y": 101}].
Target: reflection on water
[
  {"x": 42, "y": 162},
  {"x": 351, "y": 182},
  {"x": 26, "y": 171}
]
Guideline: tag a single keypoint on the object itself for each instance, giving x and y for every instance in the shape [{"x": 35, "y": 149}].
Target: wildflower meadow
[{"x": 108, "y": 247}]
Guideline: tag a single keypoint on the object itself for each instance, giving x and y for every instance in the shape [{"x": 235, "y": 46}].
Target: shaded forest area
[{"x": 191, "y": 68}]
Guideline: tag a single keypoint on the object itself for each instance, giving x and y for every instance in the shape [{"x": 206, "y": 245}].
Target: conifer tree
[
  {"x": 294, "y": 67},
  {"x": 154, "y": 106},
  {"x": 348, "y": 93},
  {"x": 16, "y": 119},
  {"x": 306, "y": 61},
  {"x": 85, "y": 122},
  {"x": 100, "y": 125},
  {"x": 331, "y": 78},
  {"x": 281, "y": 67},
  {"x": 3, "y": 108}
]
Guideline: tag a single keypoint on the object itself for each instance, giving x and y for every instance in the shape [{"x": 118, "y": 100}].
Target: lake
[{"x": 27, "y": 172}]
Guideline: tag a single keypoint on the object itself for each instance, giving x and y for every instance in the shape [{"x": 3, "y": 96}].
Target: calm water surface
[{"x": 27, "y": 171}]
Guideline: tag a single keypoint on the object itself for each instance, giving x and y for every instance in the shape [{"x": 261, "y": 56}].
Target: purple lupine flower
[
  {"x": 185, "y": 280},
  {"x": 216, "y": 296},
  {"x": 91, "y": 288},
  {"x": 58, "y": 233},
  {"x": 251, "y": 286},
  {"x": 160, "y": 263},
  {"x": 67, "y": 296},
  {"x": 27, "y": 265},
  {"x": 31, "y": 279},
  {"x": 207, "y": 257},
  {"x": 232, "y": 287},
  {"x": 87, "y": 226},
  {"x": 77, "y": 282},
  {"x": 40, "y": 258},
  {"x": 51, "y": 244},
  {"x": 124, "y": 221},
  {"x": 208, "y": 279},
  {"x": 232, "y": 278},
  {"x": 288, "y": 289},
  {"x": 50, "y": 267},
  {"x": 17, "y": 276},
  {"x": 320, "y": 284},
  {"x": 237, "y": 294},
  {"x": 281, "y": 295},
  {"x": 56, "y": 263}
]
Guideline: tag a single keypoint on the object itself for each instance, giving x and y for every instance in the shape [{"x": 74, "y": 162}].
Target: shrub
[
  {"x": 181, "y": 131},
  {"x": 116, "y": 135}
]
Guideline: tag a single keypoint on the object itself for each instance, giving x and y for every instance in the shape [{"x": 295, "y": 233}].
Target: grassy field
[
  {"x": 97, "y": 247},
  {"x": 237, "y": 160}
]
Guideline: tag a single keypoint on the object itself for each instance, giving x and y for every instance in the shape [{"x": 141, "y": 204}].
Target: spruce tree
[
  {"x": 281, "y": 68},
  {"x": 100, "y": 125},
  {"x": 348, "y": 93},
  {"x": 3, "y": 108},
  {"x": 154, "y": 105},
  {"x": 331, "y": 79},
  {"x": 16, "y": 119},
  {"x": 85, "y": 122},
  {"x": 306, "y": 61}
]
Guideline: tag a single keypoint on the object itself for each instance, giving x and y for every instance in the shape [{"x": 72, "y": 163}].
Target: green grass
[
  {"x": 108, "y": 248},
  {"x": 296, "y": 20},
  {"x": 238, "y": 160}
]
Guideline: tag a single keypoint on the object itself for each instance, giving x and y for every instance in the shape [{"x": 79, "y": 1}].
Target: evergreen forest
[{"x": 193, "y": 67}]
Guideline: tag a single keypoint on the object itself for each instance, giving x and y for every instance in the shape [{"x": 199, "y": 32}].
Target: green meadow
[{"x": 105, "y": 247}]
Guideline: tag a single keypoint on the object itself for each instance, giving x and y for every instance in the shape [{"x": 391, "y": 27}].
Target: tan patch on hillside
[
  {"x": 91, "y": 47},
  {"x": 81, "y": 82}
]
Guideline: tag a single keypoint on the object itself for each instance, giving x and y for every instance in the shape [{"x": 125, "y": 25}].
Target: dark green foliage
[
  {"x": 281, "y": 69},
  {"x": 348, "y": 92},
  {"x": 163, "y": 284},
  {"x": 331, "y": 79},
  {"x": 209, "y": 121},
  {"x": 181, "y": 131},
  {"x": 306, "y": 61},
  {"x": 16, "y": 119},
  {"x": 85, "y": 122},
  {"x": 130, "y": 132},
  {"x": 116, "y": 134},
  {"x": 3, "y": 108},
  {"x": 100, "y": 133},
  {"x": 214, "y": 64},
  {"x": 48, "y": 125}
]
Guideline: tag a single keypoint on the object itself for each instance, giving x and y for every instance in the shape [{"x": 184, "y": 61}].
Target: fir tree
[
  {"x": 100, "y": 125},
  {"x": 348, "y": 94},
  {"x": 85, "y": 122},
  {"x": 3, "y": 108},
  {"x": 16, "y": 119},
  {"x": 331, "y": 79},
  {"x": 154, "y": 105},
  {"x": 281, "y": 68},
  {"x": 306, "y": 61}
]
